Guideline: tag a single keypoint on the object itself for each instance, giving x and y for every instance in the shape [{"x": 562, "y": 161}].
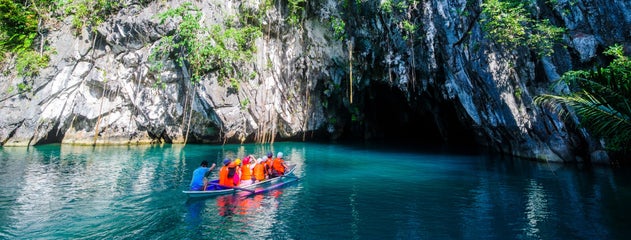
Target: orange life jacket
[
  {"x": 232, "y": 176},
  {"x": 278, "y": 166},
  {"x": 259, "y": 171},
  {"x": 223, "y": 177},
  {"x": 246, "y": 172},
  {"x": 268, "y": 165}
]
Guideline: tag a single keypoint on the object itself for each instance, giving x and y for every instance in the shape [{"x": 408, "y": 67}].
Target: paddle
[
  {"x": 206, "y": 175},
  {"x": 238, "y": 188},
  {"x": 289, "y": 176},
  {"x": 278, "y": 185}
]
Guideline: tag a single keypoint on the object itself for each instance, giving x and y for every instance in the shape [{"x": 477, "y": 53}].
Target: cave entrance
[{"x": 388, "y": 116}]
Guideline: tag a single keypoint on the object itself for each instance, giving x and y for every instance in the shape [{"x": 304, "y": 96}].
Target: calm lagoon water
[{"x": 357, "y": 191}]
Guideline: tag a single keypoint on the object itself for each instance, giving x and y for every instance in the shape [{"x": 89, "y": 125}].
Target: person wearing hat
[
  {"x": 224, "y": 179},
  {"x": 200, "y": 176},
  {"x": 246, "y": 171},
  {"x": 236, "y": 175}
]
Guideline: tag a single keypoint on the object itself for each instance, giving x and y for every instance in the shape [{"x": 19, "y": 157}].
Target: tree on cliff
[
  {"x": 510, "y": 24},
  {"x": 23, "y": 30},
  {"x": 601, "y": 98},
  {"x": 20, "y": 28}
]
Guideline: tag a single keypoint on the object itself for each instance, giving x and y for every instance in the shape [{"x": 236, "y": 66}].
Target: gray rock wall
[
  {"x": 490, "y": 89},
  {"x": 99, "y": 88}
]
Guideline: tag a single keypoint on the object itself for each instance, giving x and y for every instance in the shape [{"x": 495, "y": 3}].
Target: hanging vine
[
  {"x": 201, "y": 50},
  {"x": 349, "y": 45}
]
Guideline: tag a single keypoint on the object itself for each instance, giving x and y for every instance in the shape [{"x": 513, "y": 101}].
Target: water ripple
[{"x": 58, "y": 192}]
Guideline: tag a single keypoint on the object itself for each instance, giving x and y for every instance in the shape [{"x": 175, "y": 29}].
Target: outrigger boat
[{"x": 252, "y": 188}]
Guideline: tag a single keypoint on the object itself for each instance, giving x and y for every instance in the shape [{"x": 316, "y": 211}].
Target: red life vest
[
  {"x": 246, "y": 172},
  {"x": 259, "y": 171},
  {"x": 224, "y": 179},
  {"x": 268, "y": 165},
  {"x": 278, "y": 166}
]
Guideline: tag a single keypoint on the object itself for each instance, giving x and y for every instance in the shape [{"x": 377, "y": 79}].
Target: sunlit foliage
[
  {"x": 203, "y": 49},
  {"x": 508, "y": 23},
  {"x": 600, "y": 97}
]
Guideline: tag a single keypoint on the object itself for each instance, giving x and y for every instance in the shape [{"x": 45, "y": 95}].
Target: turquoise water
[{"x": 344, "y": 192}]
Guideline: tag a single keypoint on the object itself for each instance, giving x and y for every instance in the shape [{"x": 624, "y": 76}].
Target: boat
[{"x": 252, "y": 188}]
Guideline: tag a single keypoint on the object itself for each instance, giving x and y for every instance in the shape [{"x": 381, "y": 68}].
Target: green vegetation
[
  {"x": 22, "y": 24},
  {"x": 296, "y": 9},
  {"x": 518, "y": 93},
  {"x": 408, "y": 28},
  {"x": 508, "y": 23},
  {"x": 386, "y": 6},
  {"x": 202, "y": 49},
  {"x": 29, "y": 62},
  {"x": 91, "y": 13},
  {"x": 338, "y": 25},
  {"x": 403, "y": 13},
  {"x": 19, "y": 31},
  {"x": 245, "y": 103},
  {"x": 18, "y": 27},
  {"x": 601, "y": 98},
  {"x": 23, "y": 87},
  {"x": 87, "y": 12}
]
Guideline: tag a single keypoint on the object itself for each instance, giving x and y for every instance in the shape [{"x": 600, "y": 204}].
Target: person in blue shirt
[{"x": 200, "y": 176}]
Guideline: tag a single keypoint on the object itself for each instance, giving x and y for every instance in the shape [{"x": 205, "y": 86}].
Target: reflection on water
[
  {"x": 536, "y": 209},
  {"x": 246, "y": 214},
  {"x": 344, "y": 192},
  {"x": 194, "y": 209},
  {"x": 236, "y": 204}
]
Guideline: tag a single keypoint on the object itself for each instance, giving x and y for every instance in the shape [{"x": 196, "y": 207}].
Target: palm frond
[
  {"x": 600, "y": 97},
  {"x": 600, "y": 116}
]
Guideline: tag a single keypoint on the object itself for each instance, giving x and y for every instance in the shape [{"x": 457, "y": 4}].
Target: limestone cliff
[{"x": 448, "y": 83}]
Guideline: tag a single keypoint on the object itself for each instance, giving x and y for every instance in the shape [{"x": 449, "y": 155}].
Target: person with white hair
[
  {"x": 259, "y": 170},
  {"x": 278, "y": 165}
]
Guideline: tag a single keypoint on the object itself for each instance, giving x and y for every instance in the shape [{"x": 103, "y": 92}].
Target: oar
[
  {"x": 237, "y": 188},
  {"x": 206, "y": 175},
  {"x": 290, "y": 176},
  {"x": 278, "y": 185}
]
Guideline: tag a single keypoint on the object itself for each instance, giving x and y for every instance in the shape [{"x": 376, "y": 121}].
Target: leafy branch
[
  {"x": 296, "y": 9},
  {"x": 217, "y": 48},
  {"x": 509, "y": 24},
  {"x": 600, "y": 97}
]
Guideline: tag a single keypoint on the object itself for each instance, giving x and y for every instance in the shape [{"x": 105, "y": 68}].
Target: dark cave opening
[
  {"x": 54, "y": 135},
  {"x": 389, "y": 117}
]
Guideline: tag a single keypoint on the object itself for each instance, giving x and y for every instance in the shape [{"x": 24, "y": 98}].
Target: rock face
[{"x": 444, "y": 81}]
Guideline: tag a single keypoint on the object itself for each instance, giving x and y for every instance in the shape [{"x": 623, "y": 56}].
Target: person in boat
[
  {"x": 200, "y": 176},
  {"x": 236, "y": 175},
  {"x": 246, "y": 171},
  {"x": 224, "y": 179},
  {"x": 269, "y": 160},
  {"x": 259, "y": 170},
  {"x": 278, "y": 165}
]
